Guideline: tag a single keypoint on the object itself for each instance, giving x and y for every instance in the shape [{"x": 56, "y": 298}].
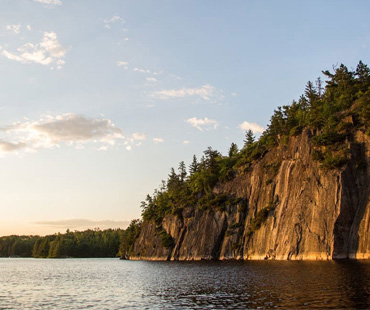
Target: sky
[{"x": 99, "y": 99}]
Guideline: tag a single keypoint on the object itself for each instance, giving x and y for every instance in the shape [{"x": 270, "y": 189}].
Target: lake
[{"x": 114, "y": 284}]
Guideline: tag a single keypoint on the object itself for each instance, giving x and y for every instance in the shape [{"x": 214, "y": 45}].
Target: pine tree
[
  {"x": 249, "y": 138},
  {"x": 173, "y": 180},
  {"x": 363, "y": 76},
  {"x": 233, "y": 151},
  {"x": 311, "y": 93},
  {"x": 182, "y": 171},
  {"x": 319, "y": 87},
  {"x": 194, "y": 166}
]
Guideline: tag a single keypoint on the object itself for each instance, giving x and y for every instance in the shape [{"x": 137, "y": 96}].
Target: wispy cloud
[
  {"x": 151, "y": 79},
  {"x": 112, "y": 20},
  {"x": 202, "y": 124},
  {"x": 186, "y": 142},
  {"x": 158, "y": 140},
  {"x": 51, "y": 131},
  {"x": 50, "y": 2},
  {"x": 251, "y": 126},
  {"x": 206, "y": 92},
  {"x": 49, "y": 51},
  {"x": 83, "y": 224},
  {"x": 136, "y": 139},
  {"x": 139, "y": 136},
  {"x": 141, "y": 70},
  {"x": 6, "y": 147},
  {"x": 123, "y": 64},
  {"x": 14, "y": 28}
]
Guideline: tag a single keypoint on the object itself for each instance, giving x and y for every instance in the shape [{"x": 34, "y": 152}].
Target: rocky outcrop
[{"x": 290, "y": 208}]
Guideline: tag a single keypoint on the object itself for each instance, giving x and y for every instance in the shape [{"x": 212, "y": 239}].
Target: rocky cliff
[{"x": 288, "y": 207}]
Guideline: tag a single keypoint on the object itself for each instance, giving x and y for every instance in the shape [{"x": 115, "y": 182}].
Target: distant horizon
[
  {"x": 96, "y": 107},
  {"x": 51, "y": 227}
]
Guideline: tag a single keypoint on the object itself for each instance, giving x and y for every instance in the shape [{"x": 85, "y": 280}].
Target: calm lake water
[{"x": 114, "y": 284}]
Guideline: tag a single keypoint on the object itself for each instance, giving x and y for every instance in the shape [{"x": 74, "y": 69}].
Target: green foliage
[
  {"x": 166, "y": 239},
  {"x": 128, "y": 238},
  {"x": 249, "y": 138},
  {"x": 268, "y": 182},
  {"x": 260, "y": 218},
  {"x": 232, "y": 229},
  {"x": 332, "y": 161},
  {"x": 89, "y": 243},
  {"x": 18, "y": 246},
  {"x": 328, "y": 138},
  {"x": 233, "y": 151}
]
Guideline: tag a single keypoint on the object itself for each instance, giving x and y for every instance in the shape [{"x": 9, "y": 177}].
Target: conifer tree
[
  {"x": 194, "y": 166},
  {"x": 182, "y": 171},
  {"x": 249, "y": 138},
  {"x": 233, "y": 151}
]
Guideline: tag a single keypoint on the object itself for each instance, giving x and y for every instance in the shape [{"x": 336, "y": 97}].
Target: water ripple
[{"x": 111, "y": 284}]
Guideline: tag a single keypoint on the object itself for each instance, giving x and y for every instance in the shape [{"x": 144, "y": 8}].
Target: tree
[
  {"x": 233, "y": 150},
  {"x": 182, "y": 171},
  {"x": 363, "y": 76},
  {"x": 194, "y": 166},
  {"x": 249, "y": 138},
  {"x": 311, "y": 93},
  {"x": 319, "y": 87},
  {"x": 173, "y": 180},
  {"x": 128, "y": 238}
]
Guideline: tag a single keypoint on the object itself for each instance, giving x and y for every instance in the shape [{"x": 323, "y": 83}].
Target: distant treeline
[{"x": 88, "y": 243}]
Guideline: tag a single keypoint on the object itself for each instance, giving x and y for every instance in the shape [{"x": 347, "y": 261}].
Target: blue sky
[{"x": 99, "y": 99}]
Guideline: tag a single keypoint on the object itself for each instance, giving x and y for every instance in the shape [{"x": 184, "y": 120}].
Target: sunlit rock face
[{"x": 291, "y": 209}]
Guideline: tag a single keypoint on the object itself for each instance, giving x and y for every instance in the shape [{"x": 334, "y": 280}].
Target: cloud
[
  {"x": 134, "y": 140},
  {"x": 47, "y": 52},
  {"x": 51, "y": 2},
  {"x": 252, "y": 126},
  {"x": 202, "y": 124},
  {"x": 123, "y": 64},
  {"x": 51, "y": 131},
  {"x": 114, "y": 19},
  {"x": 186, "y": 142},
  {"x": 84, "y": 224},
  {"x": 158, "y": 140},
  {"x": 29, "y": 27},
  {"x": 151, "y": 79},
  {"x": 6, "y": 147},
  {"x": 141, "y": 70},
  {"x": 139, "y": 136},
  {"x": 14, "y": 28},
  {"x": 206, "y": 92}
]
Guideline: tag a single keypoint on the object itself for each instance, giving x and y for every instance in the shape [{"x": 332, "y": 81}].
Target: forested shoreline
[{"x": 79, "y": 244}]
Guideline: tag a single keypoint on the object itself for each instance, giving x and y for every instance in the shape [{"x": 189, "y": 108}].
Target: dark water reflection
[
  {"x": 113, "y": 284},
  {"x": 241, "y": 285}
]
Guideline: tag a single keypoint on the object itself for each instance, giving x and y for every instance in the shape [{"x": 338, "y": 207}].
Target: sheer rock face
[{"x": 318, "y": 214}]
